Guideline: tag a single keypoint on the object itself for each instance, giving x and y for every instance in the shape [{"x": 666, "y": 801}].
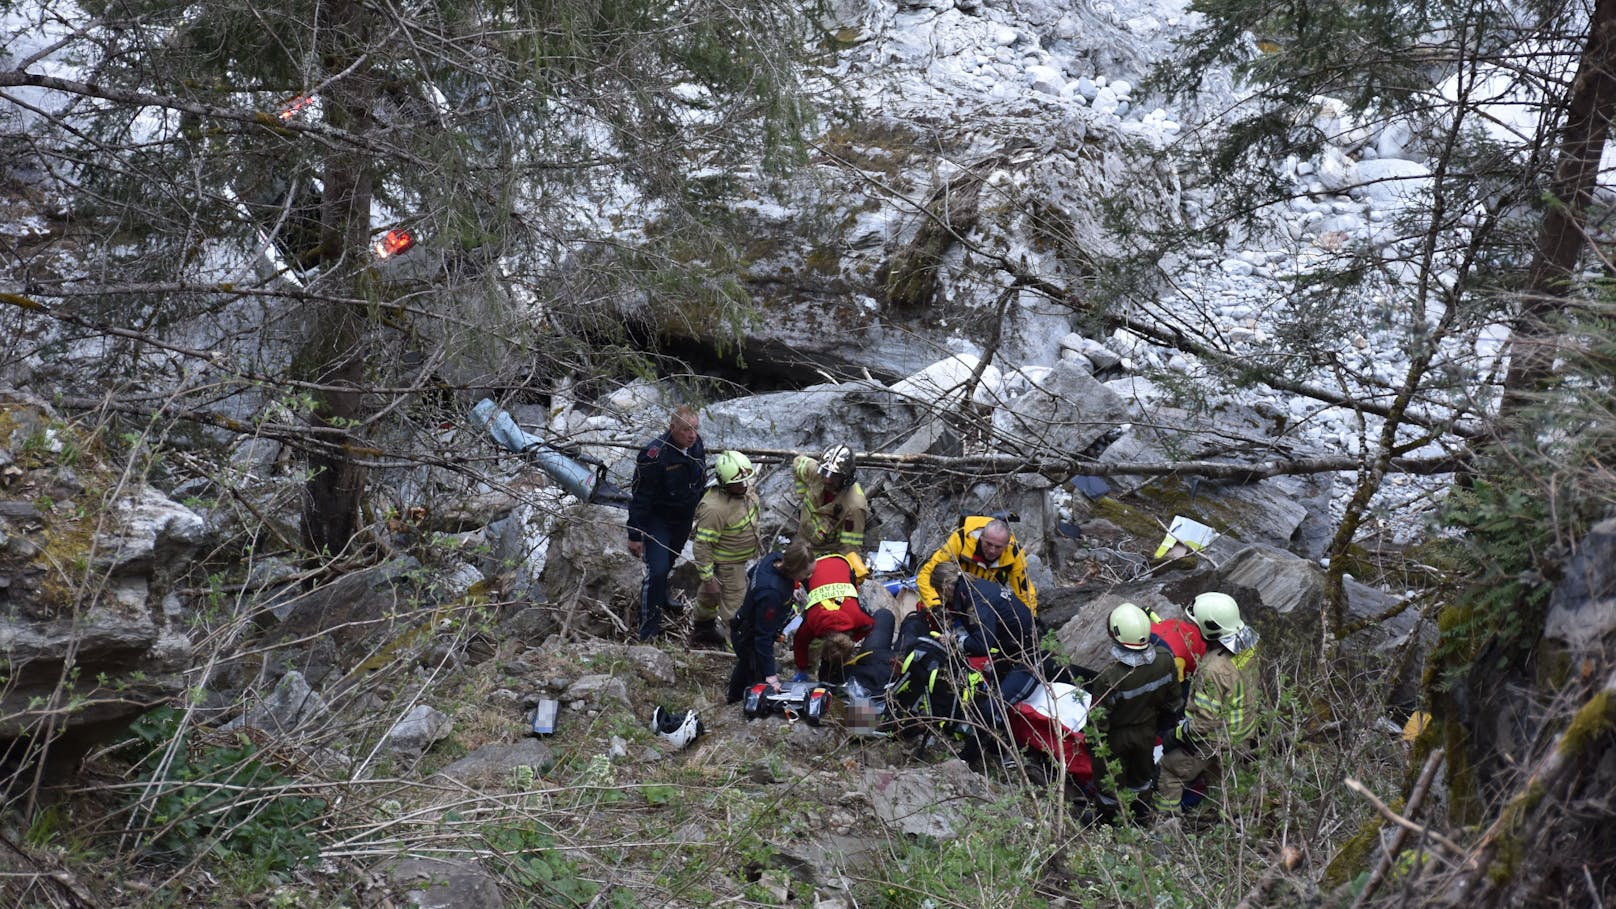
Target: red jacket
[
  {"x": 1182, "y": 638},
  {"x": 833, "y": 606}
]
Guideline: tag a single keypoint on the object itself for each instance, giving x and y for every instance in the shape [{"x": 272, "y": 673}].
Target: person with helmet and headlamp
[
  {"x": 834, "y": 509},
  {"x": 727, "y": 538},
  {"x": 1225, "y": 699},
  {"x": 1136, "y": 698}
]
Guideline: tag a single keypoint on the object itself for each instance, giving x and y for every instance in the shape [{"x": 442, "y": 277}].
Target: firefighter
[
  {"x": 1225, "y": 700},
  {"x": 670, "y": 474},
  {"x": 833, "y": 605},
  {"x": 984, "y": 548},
  {"x": 833, "y": 510},
  {"x": 1140, "y": 699},
  {"x": 727, "y": 539},
  {"x": 768, "y": 606}
]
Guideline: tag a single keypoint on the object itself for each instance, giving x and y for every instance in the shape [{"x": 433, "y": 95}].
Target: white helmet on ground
[{"x": 677, "y": 729}]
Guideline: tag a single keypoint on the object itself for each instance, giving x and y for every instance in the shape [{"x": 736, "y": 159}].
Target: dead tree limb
[{"x": 1416, "y": 800}]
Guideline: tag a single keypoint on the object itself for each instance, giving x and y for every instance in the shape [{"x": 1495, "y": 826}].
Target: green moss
[
  {"x": 1592, "y": 723},
  {"x": 1353, "y": 856},
  {"x": 825, "y": 261}
]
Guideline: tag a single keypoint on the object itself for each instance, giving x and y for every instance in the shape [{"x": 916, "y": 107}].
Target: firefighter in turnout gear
[
  {"x": 726, "y": 540},
  {"x": 833, "y": 506},
  {"x": 984, "y": 548},
  {"x": 1141, "y": 700},
  {"x": 1225, "y": 700}
]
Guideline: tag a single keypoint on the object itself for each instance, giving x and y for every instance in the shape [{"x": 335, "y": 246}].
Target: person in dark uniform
[{"x": 670, "y": 476}]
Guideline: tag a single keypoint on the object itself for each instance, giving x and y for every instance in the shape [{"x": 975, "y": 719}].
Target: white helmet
[
  {"x": 1129, "y": 627},
  {"x": 679, "y": 730},
  {"x": 838, "y": 461},
  {"x": 1217, "y": 614}
]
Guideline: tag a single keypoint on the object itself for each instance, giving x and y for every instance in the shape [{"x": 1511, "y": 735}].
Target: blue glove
[{"x": 800, "y": 676}]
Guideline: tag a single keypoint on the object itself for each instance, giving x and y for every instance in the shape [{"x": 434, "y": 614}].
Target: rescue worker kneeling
[
  {"x": 1136, "y": 699},
  {"x": 768, "y": 606},
  {"x": 833, "y": 606}
]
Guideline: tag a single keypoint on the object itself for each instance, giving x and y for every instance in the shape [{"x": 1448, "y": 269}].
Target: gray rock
[
  {"x": 588, "y": 556},
  {"x": 429, "y": 883},
  {"x": 150, "y": 530},
  {"x": 290, "y": 705},
  {"x": 598, "y": 689},
  {"x": 104, "y": 648},
  {"x": 417, "y": 731},
  {"x": 1068, "y": 412},
  {"x": 531, "y": 626},
  {"x": 494, "y": 763},
  {"x": 1582, "y": 609},
  {"x": 654, "y": 664},
  {"x": 926, "y": 801}
]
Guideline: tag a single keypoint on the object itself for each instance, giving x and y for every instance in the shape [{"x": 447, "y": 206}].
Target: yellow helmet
[{"x": 733, "y": 467}]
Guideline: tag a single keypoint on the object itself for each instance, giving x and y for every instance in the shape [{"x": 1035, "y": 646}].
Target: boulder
[
  {"x": 493, "y": 764},
  {"x": 943, "y": 385},
  {"x": 588, "y": 560},
  {"x": 1390, "y": 182},
  {"x": 859, "y": 414},
  {"x": 347, "y": 618},
  {"x": 432, "y": 883},
  {"x": 417, "y": 731},
  {"x": 90, "y": 628},
  {"x": 1068, "y": 412},
  {"x": 291, "y": 704},
  {"x": 1582, "y": 609},
  {"x": 926, "y": 801}
]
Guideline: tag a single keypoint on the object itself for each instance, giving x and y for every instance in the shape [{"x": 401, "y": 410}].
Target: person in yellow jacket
[
  {"x": 1224, "y": 705},
  {"x": 834, "y": 509},
  {"x": 984, "y": 548},
  {"x": 727, "y": 537}
]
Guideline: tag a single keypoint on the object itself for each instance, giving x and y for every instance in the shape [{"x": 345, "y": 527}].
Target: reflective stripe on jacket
[
  {"x": 726, "y": 529},
  {"x": 830, "y": 524},
  {"x": 1226, "y": 699}
]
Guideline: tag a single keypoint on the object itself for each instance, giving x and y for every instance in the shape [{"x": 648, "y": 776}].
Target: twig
[
  {"x": 1390, "y": 815},
  {"x": 1389, "y": 854}
]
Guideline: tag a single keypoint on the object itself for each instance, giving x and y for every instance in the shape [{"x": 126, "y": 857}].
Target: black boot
[{"x": 706, "y": 633}]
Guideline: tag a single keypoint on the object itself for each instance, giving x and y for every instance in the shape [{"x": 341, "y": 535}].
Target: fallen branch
[
  {"x": 1415, "y": 800},
  {"x": 1390, "y": 815}
]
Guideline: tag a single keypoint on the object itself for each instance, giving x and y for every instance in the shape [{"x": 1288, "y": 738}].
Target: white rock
[
  {"x": 1087, "y": 88},
  {"x": 1392, "y": 181},
  {"x": 1046, "y": 79},
  {"x": 1105, "y": 101},
  {"x": 1004, "y": 36},
  {"x": 1120, "y": 87},
  {"x": 943, "y": 382},
  {"x": 1237, "y": 267},
  {"x": 1394, "y": 139}
]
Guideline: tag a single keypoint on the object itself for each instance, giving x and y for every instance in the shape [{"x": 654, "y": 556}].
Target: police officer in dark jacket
[
  {"x": 670, "y": 475},
  {"x": 768, "y": 606}
]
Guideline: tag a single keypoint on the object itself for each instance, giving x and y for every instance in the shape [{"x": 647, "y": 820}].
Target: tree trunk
[
  {"x": 333, "y": 355},
  {"x": 1560, "y": 239}
]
